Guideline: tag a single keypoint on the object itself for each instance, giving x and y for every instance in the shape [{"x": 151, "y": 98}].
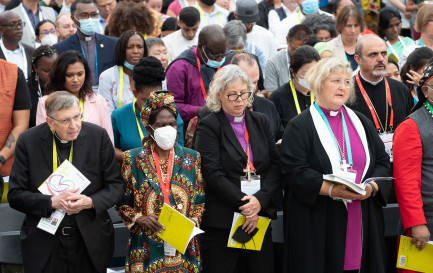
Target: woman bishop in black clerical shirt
[
  {"x": 232, "y": 139},
  {"x": 323, "y": 231},
  {"x": 294, "y": 97}
]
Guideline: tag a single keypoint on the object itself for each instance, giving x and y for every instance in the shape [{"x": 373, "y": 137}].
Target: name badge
[
  {"x": 349, "y": 175},
  {"x": 252, "y": 186},
  {"x": 387, "y": 141},
  {"x": 169, "y": 250}
]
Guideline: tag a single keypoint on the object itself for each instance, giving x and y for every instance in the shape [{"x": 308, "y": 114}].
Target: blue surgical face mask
[
  {"x": 212, "y": 63},
  {"x": 310, "y": 6},
  {"x": 215, "y": 64},
  {"x": 128, "y": 65},
  {"x": 88, "y": 26}
]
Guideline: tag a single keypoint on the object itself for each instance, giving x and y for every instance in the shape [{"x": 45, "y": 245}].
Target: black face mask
[{"x": 208, "y": 2}]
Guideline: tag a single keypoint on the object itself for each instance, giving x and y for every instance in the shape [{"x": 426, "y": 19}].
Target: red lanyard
[
  {"x": 203, "y": 90},
  {"x": 370, "y": 106},
  {"x": 247, "y": 140},
  {"x": 165, "y": 186}
]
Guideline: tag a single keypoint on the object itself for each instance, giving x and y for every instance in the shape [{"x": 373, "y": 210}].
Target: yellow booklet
[
  {"x": 178, "y": 229},
  {"x": 409, "y": 257},
  {"x": 256, "y": 242}
]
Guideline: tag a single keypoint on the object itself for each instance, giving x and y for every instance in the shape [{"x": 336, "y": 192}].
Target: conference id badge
[
  {"x": 169, "y": 250},
  {"x": 252, "y": 186},
  {"x": 387, "y": 141},
  {"x": 347, "y": 174}
]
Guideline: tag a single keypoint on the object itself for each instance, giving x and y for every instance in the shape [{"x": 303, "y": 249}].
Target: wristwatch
[
  {"x": 374, "y": 192},
  {"x": 2, "y": 160}
]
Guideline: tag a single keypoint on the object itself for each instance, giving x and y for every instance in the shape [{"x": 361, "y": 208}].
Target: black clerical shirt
[{"x": 402, "y": 101}]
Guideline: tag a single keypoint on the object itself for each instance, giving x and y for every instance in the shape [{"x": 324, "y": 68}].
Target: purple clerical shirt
[
  {"x": 183, "y": 79},
  {"x": 352, "y": 255},
  {"x": 238, "y": 125}
]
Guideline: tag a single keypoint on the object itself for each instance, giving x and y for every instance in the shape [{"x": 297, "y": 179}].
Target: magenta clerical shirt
[
  {"x": 352, "y": 258},
  {"x": 238, "y": 125}
]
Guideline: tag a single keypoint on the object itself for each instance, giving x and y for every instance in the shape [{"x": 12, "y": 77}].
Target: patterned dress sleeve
[
  {"x": 199, "y": 193},
  {"x": 126, "y": 207}
]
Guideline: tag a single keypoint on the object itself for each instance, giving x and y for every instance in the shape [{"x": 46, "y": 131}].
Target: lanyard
[
  {"x": 247, "y": 140},
  {"x": 299, "y": 17},
  {"x": 39, "y": 89},
  {"x": 82, "y": 108},
  {"x": 413, "y": 95},
  {"x": 121, "y": 87},
  {"x": 96, "y": 60},
  {"x": 165, "y": 185},
  {"x": 370, "y": 105},
  {"x": 288, "y": 59},
  {"x": 55, "y": 153},
  {"x": 295, "y": 97},
  {"x": 346, "y": 135},
  {"x": 421, "y": 43},
  {"x": 204, "y": 18},
  {"x": 140, "y": 132},
  {"x": 393, "y": 49},
  {"x": 203, "y": 90}
]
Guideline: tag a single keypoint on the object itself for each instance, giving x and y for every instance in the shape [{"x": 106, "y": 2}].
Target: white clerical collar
[
  {"x": 333, "y": 113},
  {"x": 372, "y": 83},
  {"x": 61, "y": 140},
  {"x": 239, "y": 119}
]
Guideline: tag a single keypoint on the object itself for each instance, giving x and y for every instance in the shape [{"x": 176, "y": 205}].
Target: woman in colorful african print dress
[{"x": 160, "y": 171}]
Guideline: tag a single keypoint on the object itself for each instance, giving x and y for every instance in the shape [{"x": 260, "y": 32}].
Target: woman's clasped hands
[{"x": 251, "y": 211}]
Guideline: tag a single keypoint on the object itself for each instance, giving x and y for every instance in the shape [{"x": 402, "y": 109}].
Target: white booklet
[
  {"x": 66, "y": 177},
  {"x": 357, "y": 188}
]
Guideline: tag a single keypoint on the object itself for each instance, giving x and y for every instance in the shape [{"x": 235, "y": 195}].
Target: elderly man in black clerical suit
[{"x": 84, "y": 241}]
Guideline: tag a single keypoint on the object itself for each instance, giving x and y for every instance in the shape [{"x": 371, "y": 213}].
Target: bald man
[
  {"x": 189, "y": 75},
  {"x": 391, "y": 100},
  {"x": 11, "y": 50}
]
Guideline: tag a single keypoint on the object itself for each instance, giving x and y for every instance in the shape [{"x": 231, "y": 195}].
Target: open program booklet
[{"x": 356, "y": 188}]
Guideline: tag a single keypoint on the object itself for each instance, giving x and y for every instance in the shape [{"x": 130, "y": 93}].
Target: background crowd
[{"x": 191, "y": 95}]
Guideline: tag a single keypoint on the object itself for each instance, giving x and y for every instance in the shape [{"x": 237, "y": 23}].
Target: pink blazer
[{"x": 95, "y": 111}]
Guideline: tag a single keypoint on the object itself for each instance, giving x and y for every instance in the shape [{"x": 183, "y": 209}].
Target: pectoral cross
[
  {"x": 344, "y": 166},
  {"x": 247, "y": 172}
]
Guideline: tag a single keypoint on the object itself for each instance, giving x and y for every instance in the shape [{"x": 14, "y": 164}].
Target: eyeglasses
[
  {"x": 243, "y": 96},
  {"x": 67, "y": 121},
  {"x": 15, "y": 25},
  {"x": 340, "y": 82},
  {"x": 85, "y": 16},
  {"x": 46, "y": 32},
  {"x": 215, "y": 56}
]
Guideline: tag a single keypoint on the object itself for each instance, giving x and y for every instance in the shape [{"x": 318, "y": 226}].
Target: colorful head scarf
[
  {"x": 427, "y": 74},
  {"x": 156, "y": 100}
]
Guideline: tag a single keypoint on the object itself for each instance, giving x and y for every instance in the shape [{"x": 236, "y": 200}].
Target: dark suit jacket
[
  {"x": 29, "y": 52},
  {"x": 223, "y": 161},
  {"x": 93, "y": 155},
  {"x": 105, "y": 47}
]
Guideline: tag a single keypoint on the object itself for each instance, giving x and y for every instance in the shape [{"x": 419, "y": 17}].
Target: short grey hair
[
  {"x": 236, "y": 33},
  {"x": 153, "y": 41},
  {"x": 320, "y": 71},
  {"x": 229, "y": 75},
  {"x": 60, "y": 100}
]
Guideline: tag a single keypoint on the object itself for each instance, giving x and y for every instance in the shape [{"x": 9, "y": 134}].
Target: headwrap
[
  {"x": 322, "y": 47},
  {"x": 156, "y": 100}
]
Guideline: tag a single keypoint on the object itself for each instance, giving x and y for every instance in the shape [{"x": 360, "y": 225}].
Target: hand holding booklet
[
  {"x": 356, "y": 188},
  {"x": 178, "y": 229},
  {"x": 66, "y": 177}
]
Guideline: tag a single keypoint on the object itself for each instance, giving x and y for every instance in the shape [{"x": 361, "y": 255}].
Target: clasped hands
[
  {"x": 71, "y": 202},
  {"x": 341, "y": 191},
  {"x": 251, "y": 211}
]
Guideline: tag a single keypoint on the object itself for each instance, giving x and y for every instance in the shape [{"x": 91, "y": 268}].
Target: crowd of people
[{"x": 217, "y": 107}]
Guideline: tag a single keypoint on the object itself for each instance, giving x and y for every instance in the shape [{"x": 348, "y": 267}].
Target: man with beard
[{"x": 385, "y": 101}]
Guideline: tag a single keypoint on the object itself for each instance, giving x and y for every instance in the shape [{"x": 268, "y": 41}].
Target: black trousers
[
  {"x": 69, "y": 253},
  {"x": 217, "y": 257}
]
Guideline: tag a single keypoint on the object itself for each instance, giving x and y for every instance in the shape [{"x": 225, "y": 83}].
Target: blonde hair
[
  {"x": 424, "y": 14},
  {"x": 320, "y": 71},
  {"x": 229, "y": 75}
]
